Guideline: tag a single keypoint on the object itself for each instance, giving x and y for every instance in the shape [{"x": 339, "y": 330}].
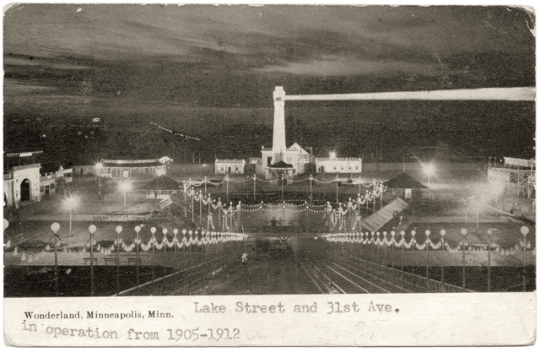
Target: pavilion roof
[
  {"x": 161, "y": 183},
  {"x": 281, "y": 165},
  {"x": 404, "y": 180}
]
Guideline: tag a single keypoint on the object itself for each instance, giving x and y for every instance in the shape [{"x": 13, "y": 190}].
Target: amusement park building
[
  {"x": 338, "y": 165},
  {"x": 129, "y": 168},
  {"x": 28, "y": 181},
  {"x": 230, "y": 166},
  {"x": 295, "y": 155}
]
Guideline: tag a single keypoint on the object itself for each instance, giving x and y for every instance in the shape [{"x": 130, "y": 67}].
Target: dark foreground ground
[{"x": 279, "y": 273}]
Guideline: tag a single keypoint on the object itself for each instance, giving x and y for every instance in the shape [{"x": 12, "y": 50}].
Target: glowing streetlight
[
  {"x": 429, "y": 170},
  {"x": 55, "y": 227},
  {"x": 124, "y": 187},
  {"x": 160, "y": 172},
  {"x": 92, "y": 229},
  {"x": 98, "y": 166},
  {"x": 333, "y": 155},
  {"x": 477, "y": 205},
  {"x": 70, "y": 203}
]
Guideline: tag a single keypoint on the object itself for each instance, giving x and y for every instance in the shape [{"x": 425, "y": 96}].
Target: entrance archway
[
  {"x": 25, "y": 190},
  {"x": 229, "y": 170}
]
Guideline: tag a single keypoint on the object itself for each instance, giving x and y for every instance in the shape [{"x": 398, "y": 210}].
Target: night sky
[{"x": 209, "y": 71}]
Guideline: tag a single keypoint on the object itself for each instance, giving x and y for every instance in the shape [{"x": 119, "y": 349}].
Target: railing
[
  {"x": 402, "y": 280},
  {"x": 192, "y": 274}
]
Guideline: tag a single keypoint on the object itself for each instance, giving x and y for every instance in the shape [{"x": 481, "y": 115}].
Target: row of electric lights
[
  {"x": 55, "y": 227},
  {"x": 524, "y": 231}
]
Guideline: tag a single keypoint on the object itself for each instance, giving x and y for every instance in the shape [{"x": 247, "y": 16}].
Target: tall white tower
[{"x": 278, "y": 143}]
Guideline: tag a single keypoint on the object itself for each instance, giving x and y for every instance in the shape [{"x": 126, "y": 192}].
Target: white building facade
[
  {"x": 295, "y": 155},
  {"x": 338, "y": 165},
  {"x": 22, "y": 184},
  {"x": 129, "y": 168},
  {"x": 230, "y": 166}
]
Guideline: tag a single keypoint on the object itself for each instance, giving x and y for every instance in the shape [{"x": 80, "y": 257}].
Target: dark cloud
[{"x": 173, "y": 61}]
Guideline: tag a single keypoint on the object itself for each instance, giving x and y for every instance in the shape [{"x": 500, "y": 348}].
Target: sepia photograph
[{"x": 255, "y": 152}]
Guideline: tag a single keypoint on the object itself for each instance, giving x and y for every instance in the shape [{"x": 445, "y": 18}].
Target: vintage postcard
[{"x": 271, "y": 175}]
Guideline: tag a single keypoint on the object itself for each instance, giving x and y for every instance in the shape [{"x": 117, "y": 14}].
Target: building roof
[
  {"x": 404, "y": 180},
  {"x": 297, "y": 147},
  {"x": 161, "y": 183},
  {"x": 128, "y": 165},
  {"x": 377, "y": 220}
]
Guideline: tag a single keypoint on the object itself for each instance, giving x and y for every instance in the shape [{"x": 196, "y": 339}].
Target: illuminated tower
[{"x": 278, "y": 143}]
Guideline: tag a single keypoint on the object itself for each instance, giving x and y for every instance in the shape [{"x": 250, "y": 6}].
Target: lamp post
[
  {"x": 429, "y": 169},
  {"x": 282, "y": 186},
  {"x": 261, "y": 207},
  {"x": 306, "y": 210},
  {"x": 153, "y": 231},
  {"x": 489, "y": 232},
  {"x": 175, "y": 231},
  {"x": 205, "y": 180},
  {"x": 402, "y": 260},
  {"x": 209, "y": 199},
  {"x": 378, "y": 248},
  {"x": 200, "y": 209},
  {"x": 254, "y": 186},
  {"x": 374, "y": 195},
  {"x": 184, "y": 247},
  {"x": 70, "y": 203},
  {"x": 231, "y": 216},
  {"x": 464, "y": 234},
  {"x": 92, "y": 230},
  {"x": 193, "y": 205},
  {"x": 54, "y": 227},
  {"x": 337, "y": 189},
  {"x": 118, "y": 231},
  {"x": 524, "y": 231},
  {"x": 164, "y": 231},
  {"x": 124, "y": 187},
  {"x": 99, "y": 166},
  {"x": 427, "y": 260},
  {"x": 6, "y": 225},
  {"x": 393, "y": 233},
  {"x": 384, "y": 247},
  {"x": 361, "y": 245},
  {"x": 310, "y": 187},
  {"x": 204, "y": 245},
  {"x": 443, "y": 233},
  {"x": 137, "y": 230},
  {"x": 220, "y": 228},
  {"x": 227, "y": 181}
]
